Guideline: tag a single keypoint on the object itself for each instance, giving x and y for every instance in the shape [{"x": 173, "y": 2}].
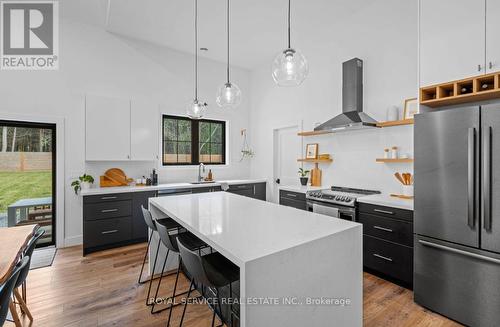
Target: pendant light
[
  {"x": 196, "y": 109},
  {"x": 290, "y": 66},
  {"x": 229, "y": 94}
]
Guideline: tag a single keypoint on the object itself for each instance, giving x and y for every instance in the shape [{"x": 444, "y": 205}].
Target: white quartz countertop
[
  {"x": 300, "y": 188},
  {"x": 388, "y": 201},
  {"x": 245, "y": 229},
  {"x": 127, "y": 189}
]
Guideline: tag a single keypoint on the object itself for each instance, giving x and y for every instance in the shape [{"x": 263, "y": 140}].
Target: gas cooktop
[{"x": 339, "y": 195}]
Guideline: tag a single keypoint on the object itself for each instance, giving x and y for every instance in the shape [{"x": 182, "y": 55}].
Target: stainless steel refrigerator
[{"x": 457, "y": 213}]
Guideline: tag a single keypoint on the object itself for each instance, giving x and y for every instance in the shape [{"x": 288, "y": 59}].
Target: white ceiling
[{"x": 258, "y": 27}]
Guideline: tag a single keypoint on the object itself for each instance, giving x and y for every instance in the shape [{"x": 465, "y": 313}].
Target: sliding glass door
[{"x": 28, "y": 176}]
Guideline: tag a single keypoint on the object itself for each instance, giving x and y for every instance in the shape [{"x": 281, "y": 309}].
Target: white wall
[
  {"x": 97, "y": 62},
  {"x": 384, "y": 36}
]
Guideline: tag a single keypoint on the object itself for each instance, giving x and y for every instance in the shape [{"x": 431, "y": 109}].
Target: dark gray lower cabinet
[
  {"x": 139, "y": 227},
  {"x": 388, "y": 242},
  {"x": 114, "y": 220},
  {"x": 293, "y": 199},
  {"x": 256, "y": 190}
]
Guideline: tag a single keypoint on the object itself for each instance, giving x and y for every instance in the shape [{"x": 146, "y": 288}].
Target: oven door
[{"x": 332, "y": 210}]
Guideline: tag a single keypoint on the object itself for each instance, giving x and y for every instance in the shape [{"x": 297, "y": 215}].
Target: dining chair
[
  {"x": 6, "y": 290},
  {"x": 23, "y": 274}
]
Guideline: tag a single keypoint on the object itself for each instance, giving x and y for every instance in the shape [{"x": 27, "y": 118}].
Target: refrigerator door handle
[
  {"x": 487, "y": 178},
  {"x": 461, "y": 252},
  {"x": 470, "y": 177}
]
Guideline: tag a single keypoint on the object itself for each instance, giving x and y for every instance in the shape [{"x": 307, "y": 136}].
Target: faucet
[{"x": 200, "y": 167}]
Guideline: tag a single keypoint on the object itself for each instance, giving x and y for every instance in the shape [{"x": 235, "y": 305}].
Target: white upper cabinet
[
  {"x": 144, "y": 122},
  {"x": 452, "y": 39},
  {"x": 493, "y": 36},
  {"x": 107, "y": 129}
]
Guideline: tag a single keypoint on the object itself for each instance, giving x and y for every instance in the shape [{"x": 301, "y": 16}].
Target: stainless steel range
[{"x": 339, "y": 202}]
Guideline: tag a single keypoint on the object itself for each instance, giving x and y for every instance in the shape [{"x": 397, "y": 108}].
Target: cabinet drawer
[
  {"x": 107, "y": 198},
  {"x": 292, "y": 195},
  {"x": 240, "y": 187},
  {"x": 96, "y": 211},
  {"x": 293, "y": 203},
  {"x": 388, "y": 258},
  {"x": 397, "y": 231},
  {"x": 109, "y": 231},
  {"x": 388, "y": 212}
]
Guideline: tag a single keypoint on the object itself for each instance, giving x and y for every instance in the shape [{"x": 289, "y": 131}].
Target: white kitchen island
[{"x": 297, "y": 268}]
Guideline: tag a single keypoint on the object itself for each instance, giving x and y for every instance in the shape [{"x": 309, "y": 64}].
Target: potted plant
[
  {"x": 82, "y": 183},
  {"x": 303, "y": 176}
]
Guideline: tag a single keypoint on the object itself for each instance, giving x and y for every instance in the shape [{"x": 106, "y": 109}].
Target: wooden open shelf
[
  {"x": 396, "y": 123},
  {"x": 478, "y": 88},
  {"x": 379, "y": 124},
  {"x": 312, "y": 133},
  {"x": 399, "y": 160},
  {"x": 316, "y": 160}
]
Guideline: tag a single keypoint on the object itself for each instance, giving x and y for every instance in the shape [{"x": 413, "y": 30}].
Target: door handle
[
  {"x": 461, "y": 252},
  {"x": 110, "y": 231},
  {"x": 487, "y": 178},
  {"x": 383, "y": 229},
  {"x": 109, "y": 210},
  {"x": 471, "y": 138},
  {"x": 384, "y": 211},
  {"x": 382, "y": 257}
]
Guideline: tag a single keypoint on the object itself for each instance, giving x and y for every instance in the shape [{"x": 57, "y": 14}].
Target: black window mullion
[{"x": 195, "y": 141}]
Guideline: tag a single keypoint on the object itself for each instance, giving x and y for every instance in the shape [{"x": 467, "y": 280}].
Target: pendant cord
[
  {"x": 228, "y": 41},
  {"x": 196, "y": 50},
  {"x": 289, "y": 4}
]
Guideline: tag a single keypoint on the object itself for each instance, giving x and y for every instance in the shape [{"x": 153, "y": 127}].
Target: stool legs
[
  {"x": 175, "y": 288},
  {"x": 187, "y": 299},
  {"x": 153, "y": 272},
  {"x": 144, "y": 262}
]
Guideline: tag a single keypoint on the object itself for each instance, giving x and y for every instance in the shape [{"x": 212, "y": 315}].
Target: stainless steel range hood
[{"x": 352, "y": 116}]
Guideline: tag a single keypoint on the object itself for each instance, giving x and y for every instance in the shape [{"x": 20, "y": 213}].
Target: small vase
[
  {"x": 85, "y": 185},
  {"x": 303, "y": 180}
]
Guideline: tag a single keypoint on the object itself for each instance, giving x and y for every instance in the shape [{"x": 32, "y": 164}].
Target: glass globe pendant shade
[
  {"x": 290, "y": 68},
  {"x": 228, "y": 96},
  {"x": 196, "y": 110}
]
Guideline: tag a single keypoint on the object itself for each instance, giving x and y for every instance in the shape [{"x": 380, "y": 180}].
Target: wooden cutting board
[{"x": 114, "y": 177}]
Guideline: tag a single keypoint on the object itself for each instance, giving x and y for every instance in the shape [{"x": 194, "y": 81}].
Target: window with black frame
[{"x": 191, "y": 142}]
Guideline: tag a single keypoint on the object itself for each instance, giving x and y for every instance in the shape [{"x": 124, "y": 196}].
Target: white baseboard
[{"x": 73, "y": 240}]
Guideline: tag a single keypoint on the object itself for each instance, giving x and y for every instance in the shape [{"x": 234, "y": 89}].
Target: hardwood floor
[{"x": 101, "y": 290}]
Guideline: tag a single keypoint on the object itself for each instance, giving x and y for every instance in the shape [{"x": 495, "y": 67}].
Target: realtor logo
[{"x": 29, "y": 35}]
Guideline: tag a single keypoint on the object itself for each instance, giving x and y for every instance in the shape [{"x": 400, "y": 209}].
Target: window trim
[{"x": 195, "y": 141}]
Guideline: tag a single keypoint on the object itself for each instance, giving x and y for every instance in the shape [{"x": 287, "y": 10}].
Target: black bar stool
[
  {"x": 170, "y": 242},
  {"x": 148, "y": 219},
  {"x": 211, "y": 270}
]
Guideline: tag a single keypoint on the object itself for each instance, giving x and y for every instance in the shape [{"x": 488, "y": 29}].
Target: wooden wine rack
[{"x": 478, "y": 88}]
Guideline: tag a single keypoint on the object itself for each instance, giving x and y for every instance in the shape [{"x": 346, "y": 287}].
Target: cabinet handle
[
  {"x": 490, "y": 64},
  {"x": 291, "y": 195},
  {"x": 254, "y": 190},
  {"x": 384, "y": 211},
  {"x": 109, "y": 210},
  {"x": 382, "y": 257},
  {"x": 383, "y": 229},
  {"x": 110, "y": 231},
  {"x": 479, "y": 68},
  {"x": 108, "y": 197}
]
